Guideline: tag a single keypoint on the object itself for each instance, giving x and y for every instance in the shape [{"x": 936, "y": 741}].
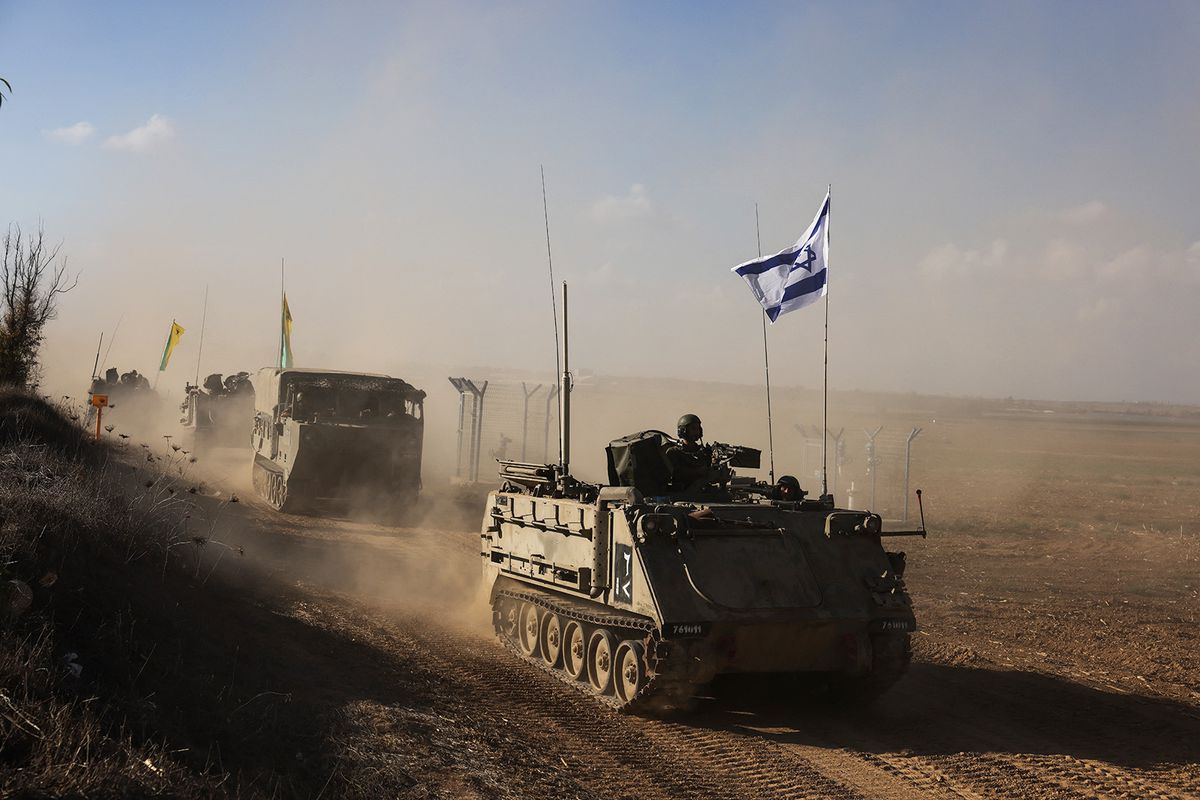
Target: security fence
[
  {"x": 879, "y": 480},
  {"x": 504, "y": 420}
]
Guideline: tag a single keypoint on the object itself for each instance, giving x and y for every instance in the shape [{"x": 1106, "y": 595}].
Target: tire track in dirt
[
  {"x": 970, "y": 774},
  {"x": 664, "y": 758},
  {"x": 873, "y": 775},
  {"x": 756, "y": 770},
  {"x": 966, "y": 754},
  {"x": 1106, "y": 782},
  {"x": 929, "y": 779},
  {"x": 1042, "y": 716},
  {"x": 1012, "y": 722},
  {"x": 624, "y": 756},
  {"x": 974, "y": 772}
]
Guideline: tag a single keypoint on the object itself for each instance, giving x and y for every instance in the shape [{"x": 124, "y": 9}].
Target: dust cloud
[{"x": 981, "y": 463}]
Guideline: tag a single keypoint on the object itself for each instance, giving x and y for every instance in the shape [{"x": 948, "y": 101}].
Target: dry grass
[
  {"x": 123, "y": 679},
  {"x": 64, "y": 721}
]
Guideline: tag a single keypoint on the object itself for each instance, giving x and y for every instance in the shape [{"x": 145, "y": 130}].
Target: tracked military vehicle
[
  {"x": 220, "y": 413},
  {"x": 324, "y": 438},
  {"x": 641, "y": 592}
]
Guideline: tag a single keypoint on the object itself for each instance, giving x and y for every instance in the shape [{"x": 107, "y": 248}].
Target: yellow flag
[
  {"x": 172, "y": 339},
  {"x": 285, "y": 341}
]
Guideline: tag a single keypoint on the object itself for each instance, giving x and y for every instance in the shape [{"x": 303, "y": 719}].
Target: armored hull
[
  {"x": 326, "y": 439},
  {"x": 641, "y": 602},
  {"x": 217, "y": 421}
]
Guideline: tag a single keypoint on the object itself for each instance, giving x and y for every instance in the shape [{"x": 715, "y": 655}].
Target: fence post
[
  {"x": 457, "y": 383},
  {"x": 872, "y": 461},
  {"x": 907, "y": 462},
  {"x": 479, "y": 430},
  {"x": 474, "y": 429}
]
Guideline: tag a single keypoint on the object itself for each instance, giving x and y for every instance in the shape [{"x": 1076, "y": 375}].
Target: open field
[{"x": 1057, "y": 596}]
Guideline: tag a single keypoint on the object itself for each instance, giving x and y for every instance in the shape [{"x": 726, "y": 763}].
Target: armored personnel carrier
[
  {"x": 644, "y": 589},
  {"x": 323, "y": 437},
  {"x": 219, "y": 413},
  {"x": 132, "y": 404},
  {"x": 643, "y": 598}
]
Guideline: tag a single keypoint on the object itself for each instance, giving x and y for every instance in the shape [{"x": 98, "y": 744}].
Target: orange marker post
[{"x": 100, "y": 401}]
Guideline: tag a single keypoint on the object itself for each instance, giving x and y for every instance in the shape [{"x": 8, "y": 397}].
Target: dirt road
[{"x": 1009, "y": 694}]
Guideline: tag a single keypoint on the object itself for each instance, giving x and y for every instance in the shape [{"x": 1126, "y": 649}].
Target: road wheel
[
  {"x": 508, "y": 612},
  {"x": 630, "y": 669},
  {"x": 600, "y": 661},
  {"x": 552, "y": 641},
  {"x": 574, "y": 651},
  {"x": 528, "y": 630}
]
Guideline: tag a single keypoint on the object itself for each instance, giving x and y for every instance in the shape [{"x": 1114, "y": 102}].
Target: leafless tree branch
[{"x": 33, "y": 277}]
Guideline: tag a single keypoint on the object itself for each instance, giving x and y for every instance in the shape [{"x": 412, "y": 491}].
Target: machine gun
[
  {"x": 543, "y": 480},
  {"x": 735, "y": 455}
]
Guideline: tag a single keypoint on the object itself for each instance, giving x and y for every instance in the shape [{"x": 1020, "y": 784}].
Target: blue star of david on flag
[{"x": 792, "y": 278}]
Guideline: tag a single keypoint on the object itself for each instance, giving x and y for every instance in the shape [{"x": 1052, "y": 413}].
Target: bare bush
[{"x": 32, "y": 278}]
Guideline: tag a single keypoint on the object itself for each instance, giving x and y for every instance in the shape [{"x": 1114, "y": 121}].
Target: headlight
[{"x": 651, "y": 524}]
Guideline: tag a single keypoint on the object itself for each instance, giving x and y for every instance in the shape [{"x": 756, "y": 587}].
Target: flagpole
[
  {"x": 203, "y": 322},
  {"x": 766, "y": 365},
  {"x": 170, "y": 331},
  {"x": 282, "y": 321},
  {"x": 825, "y": 379}
]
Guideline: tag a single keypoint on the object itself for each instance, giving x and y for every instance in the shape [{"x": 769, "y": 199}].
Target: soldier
[
  {"x": 787, "y": 489},
  {"x": 238, "y": 383},
  {"x": 690, "y": 461}
]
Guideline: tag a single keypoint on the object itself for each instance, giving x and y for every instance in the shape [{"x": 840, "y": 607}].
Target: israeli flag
[{"x": 795, "y": 277}]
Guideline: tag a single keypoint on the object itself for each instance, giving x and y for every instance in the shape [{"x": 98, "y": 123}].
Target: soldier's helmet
[
  {"x": 788, "y": 488},
  {"x": 684, "y": 421}
]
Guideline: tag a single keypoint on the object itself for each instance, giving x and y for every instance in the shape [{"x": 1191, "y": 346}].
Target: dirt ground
[{"x": 1057, "y": 596}]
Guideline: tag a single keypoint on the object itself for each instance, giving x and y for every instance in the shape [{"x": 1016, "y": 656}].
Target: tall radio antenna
[
  {"x": 766, "y": 364},
  {"x": 104, "y": 361},
  {"x": 550, "y": 260},
  {"x": 203, "y": 323}
]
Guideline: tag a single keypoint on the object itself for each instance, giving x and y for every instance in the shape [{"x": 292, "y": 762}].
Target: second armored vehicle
[
  {"x": 220, "y": 413},
  {"x": 329, "y": 437}
]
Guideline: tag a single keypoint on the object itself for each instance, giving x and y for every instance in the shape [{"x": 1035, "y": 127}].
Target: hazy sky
[{"x": 1016, "y": 187}]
